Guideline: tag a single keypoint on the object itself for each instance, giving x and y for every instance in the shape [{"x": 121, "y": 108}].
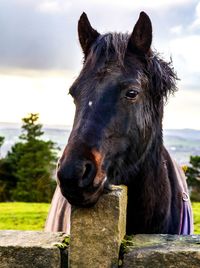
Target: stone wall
[
  {"x": 30, "y": 249},
  {"x": 162, "y": 251},
  {"x": 96, "y": 236}
]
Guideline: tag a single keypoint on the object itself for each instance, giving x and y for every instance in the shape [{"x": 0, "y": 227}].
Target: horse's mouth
[{"x": 83, "y": 197}]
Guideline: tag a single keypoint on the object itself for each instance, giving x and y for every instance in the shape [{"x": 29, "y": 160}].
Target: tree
[
  {"x": 1, "y": 142},
  {"x": 31, "y": 164},
  {"x": 31, "y": 130},
  {"x": 7, "y": 180},
  {"x": 193, "y": 177},
  {"x": 3, "y": 176}
]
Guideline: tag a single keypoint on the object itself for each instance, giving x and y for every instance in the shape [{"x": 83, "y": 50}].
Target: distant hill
[{"x": 181, "y": 143}]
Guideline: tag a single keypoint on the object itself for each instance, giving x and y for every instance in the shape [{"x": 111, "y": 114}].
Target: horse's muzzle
[
  {"x": 82, "y": 198},
  {"x": 80, "y": 182}
]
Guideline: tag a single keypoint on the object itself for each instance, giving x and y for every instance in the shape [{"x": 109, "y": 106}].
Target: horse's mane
[
  {"x": 161, "y": 76},
  {"x": 112, "y": 47}
]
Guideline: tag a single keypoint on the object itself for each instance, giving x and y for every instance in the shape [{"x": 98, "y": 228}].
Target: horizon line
[{"x": 63, "y": 126}]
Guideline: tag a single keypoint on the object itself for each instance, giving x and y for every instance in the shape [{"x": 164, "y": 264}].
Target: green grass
[
  {"x": 32, "y": 216},
  {"x": 23, "y": 216},
  {"x": 196, "y": 213}
]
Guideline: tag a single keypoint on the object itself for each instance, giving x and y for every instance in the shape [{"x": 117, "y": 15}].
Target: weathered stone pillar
[{"x": 96, "y": 232}]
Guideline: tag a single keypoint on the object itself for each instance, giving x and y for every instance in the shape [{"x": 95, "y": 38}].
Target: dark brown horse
[{"x": 117, "y": 132}]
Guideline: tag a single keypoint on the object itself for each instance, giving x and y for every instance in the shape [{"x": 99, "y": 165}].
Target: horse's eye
[{"x": 131, "y": 94}]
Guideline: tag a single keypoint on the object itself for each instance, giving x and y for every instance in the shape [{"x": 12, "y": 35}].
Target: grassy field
[
  {"x": 196, "y": 213},
  {"x": 23, "y": 216},
  {"x": 31, "y": 216}
]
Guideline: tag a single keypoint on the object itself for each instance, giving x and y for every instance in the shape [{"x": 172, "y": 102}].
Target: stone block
[
  {"x": 30, "y": 249},
  {"x": 97, "y": 232},
  {"x": 158, "y": 251}
]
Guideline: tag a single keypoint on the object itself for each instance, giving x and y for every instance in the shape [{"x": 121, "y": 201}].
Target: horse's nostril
[
  {"x": 88, "y": 174},
  {"x": 76, "y": 174},
  {"x": 88, "y": 169}
]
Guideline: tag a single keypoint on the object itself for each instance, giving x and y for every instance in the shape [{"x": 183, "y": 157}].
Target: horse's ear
[
  {"x": 141, "y": 37},
  {"x": 87, "y": 35}
]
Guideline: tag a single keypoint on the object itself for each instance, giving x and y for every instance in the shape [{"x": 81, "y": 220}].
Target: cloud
[
  {"x": 36, "y": 40},
  {"x": 156, "y": 4},
  {"x": 198, "y": 9},
  {"x": 43, "y": 34},
  {"x": 182, "y": 111},
  {"x": 53, "y": 6},
  {"x": 177, "y": 29},
  {"x": 196, "y": 23},
  {"x": 46, "y": 94},
  {"x": 63, "y": 5},
  {"x": 185, "y": 51}
]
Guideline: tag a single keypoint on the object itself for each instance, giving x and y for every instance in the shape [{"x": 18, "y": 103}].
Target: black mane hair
[{"x": 162, "y": 77}]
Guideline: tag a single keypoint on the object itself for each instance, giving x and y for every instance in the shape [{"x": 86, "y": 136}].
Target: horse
[{"x": 117, "y": 135}]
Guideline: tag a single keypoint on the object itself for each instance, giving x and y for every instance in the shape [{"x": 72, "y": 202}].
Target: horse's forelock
[{"x": 109, "y": 47}]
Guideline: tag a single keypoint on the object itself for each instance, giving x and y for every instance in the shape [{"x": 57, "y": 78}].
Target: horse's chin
[{"x": 84, "y": 197}]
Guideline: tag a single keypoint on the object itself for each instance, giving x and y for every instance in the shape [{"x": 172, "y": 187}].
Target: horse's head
[{"x": 119, "y": 99}]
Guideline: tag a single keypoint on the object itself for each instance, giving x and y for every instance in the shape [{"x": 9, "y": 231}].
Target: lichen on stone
[{"x": 64, "y": 244}]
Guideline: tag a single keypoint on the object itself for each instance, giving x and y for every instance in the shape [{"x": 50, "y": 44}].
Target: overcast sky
[{"x": 40, "y": 55}]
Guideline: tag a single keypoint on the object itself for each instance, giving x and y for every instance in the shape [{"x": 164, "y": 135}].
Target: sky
[{"x": 40, "y": 56}]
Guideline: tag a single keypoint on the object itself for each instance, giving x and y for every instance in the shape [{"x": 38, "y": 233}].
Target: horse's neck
[
  {"x": 152, "y": 180},
  {"x": 147, "y": 192}
]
